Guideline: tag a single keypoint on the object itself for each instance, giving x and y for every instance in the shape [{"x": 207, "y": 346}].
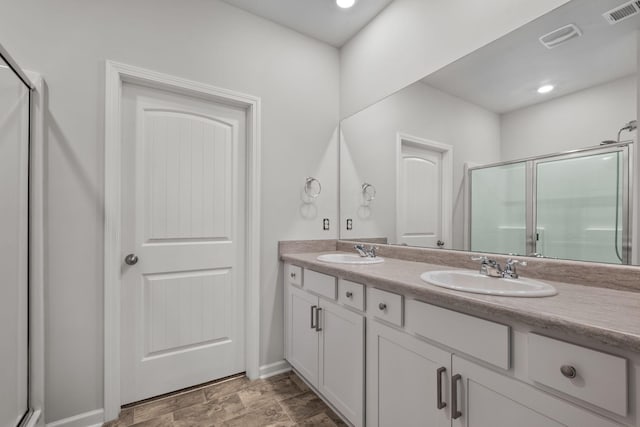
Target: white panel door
[
  {"x": 402, "y": 380},
  {"x": 184, "y": 218},
  {"x": 420, "y": 184},
  {"x": 341, "y": 376}
]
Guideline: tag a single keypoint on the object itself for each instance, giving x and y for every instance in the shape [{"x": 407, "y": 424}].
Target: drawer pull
[
  {"x": 568, "y": 371},
  {"x": 455, "y": 413},
  {"x": 382, "y": 306},
  {"x": 314, "y": 316},
  {"x": 293, "y": 275},
  {"x": 349, "y": 294},
  {"x": 439, "y": 403}
]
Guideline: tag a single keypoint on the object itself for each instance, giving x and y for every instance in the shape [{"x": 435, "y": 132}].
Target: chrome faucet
[
  {"x": 491, "y": 268},
  {"x": 488, "y": 267},
  {"x": 363, "y": 251},
  {"x": 510, "y": 268}
]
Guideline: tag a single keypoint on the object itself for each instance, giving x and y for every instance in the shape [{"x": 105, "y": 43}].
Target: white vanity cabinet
[
  {"x": 432, "y": 366},
  {"x": 481, "y": 397},
  {"x": 407, "y": 380},
  {"x": 325, "y": 343}
]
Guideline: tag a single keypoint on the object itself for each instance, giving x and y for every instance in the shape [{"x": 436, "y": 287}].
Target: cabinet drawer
[
  {"x": 321, "y": 284},
  {"x": 479, "y": 338},
  {"x": 293, "y": 274},
  {"x": 589, "y": 375},
  {"x": 385, "y": 305},
  {"x": 351, "y": 294}
]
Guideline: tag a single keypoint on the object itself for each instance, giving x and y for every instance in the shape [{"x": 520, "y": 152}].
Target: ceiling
[
  {"x": 504, "y": 75},
  {"x": 320, "y": 19}
]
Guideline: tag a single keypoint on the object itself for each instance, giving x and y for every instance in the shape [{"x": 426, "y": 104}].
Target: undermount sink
[
  {"x": 472, "y": 281},
  {"x": 349, "y": 259}
]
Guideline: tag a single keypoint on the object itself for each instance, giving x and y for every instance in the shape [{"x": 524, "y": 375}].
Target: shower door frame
[
  {"x": 626, "y": 148},
  {"x": 35, "y": 242}
]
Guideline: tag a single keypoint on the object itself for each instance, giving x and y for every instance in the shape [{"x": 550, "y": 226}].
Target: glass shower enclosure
[
  {"x": 15, "y": 108},
  {"x": 572, "y": 205}
]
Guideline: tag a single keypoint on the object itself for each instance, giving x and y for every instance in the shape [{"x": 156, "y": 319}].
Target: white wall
[
  {"x": 578, "y": 120},
  {"x": 368, "y": 152},
  {"x": 413, "y": 38},
  {"x": 204, "y": 40}
]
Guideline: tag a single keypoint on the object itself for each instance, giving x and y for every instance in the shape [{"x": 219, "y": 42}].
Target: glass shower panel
[
  {"x": 579, "y": 208},
  {"x": 14, "y": 152},
  {"x": 498, "y": 209}
]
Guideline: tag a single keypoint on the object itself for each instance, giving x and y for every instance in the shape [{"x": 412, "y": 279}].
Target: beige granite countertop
[{"x": 608, "y": 316}]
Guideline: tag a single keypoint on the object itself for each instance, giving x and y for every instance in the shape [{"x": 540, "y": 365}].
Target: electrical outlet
[
  {"x": 349, "y": 224},
  {"x": 325, "y": 224}
]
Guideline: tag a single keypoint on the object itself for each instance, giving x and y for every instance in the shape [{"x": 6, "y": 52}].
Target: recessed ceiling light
[
  {"x": 345, "y": 4},
  {"x": 545, "y": 89}
]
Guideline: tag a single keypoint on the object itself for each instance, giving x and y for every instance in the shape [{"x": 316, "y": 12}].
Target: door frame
[
  {"x": 115, "y": 75},
  {"x": 447, "y": 180}
]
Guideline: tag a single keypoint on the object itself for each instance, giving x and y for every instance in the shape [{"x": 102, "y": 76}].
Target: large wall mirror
[{"x": 525, "y": 146}]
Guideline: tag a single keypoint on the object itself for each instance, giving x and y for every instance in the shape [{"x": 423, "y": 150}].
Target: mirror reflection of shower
[
  {"x": 570, "y": 205},
  {"x": 631, "y": 126}
]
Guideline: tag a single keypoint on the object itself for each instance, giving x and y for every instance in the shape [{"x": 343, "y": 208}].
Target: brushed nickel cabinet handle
[
  {"x": 568, "y": 371},
  {"x": 382, "y": 306},
  {"x": 318, "y": 310},
  {"x": 455, "y": 413},
  {"x": 439, "y": 403},
  {"x": 313, "y": 316}
]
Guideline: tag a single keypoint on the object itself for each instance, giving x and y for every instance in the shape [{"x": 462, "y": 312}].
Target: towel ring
[
  {"x": 368, "y": 192},
  {"x": 312, "y": 187}
]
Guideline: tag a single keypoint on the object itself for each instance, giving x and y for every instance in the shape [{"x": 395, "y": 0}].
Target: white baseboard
[
  {"x": 88, "y": 419},
  {"x": 276, "y": 368}
]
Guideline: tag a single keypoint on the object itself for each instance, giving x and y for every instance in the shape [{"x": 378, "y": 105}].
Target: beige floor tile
[
  {"x": 167, "y": 405},
  {"x": 165, "y": 420},
  {"x": 280, "y": 388},
  {"x": 283, "y": 400},
  {"x": 296, "y": 379},
  {"x": 224, "y": 388},
  {"x": 321, "y": 419},
  {"x": 304, "y": 406},
  {"x": 213, "y": 412},
  {"x": 267, "y": 415}
]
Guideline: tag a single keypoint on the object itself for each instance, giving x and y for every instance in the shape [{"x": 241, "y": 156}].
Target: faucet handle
[
  {"x": 510, "y": 268},
  {"x": 512, "y": 262}
]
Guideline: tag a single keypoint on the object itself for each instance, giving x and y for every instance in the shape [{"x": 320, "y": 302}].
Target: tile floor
[{"x": 283, "y": 401}]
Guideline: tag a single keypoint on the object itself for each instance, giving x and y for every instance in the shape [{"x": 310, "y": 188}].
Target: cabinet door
[
  {"x": 488, "y": 399},
  {"x": 302, "y": 339},
  {"x": 341, "y": 378},
  {"x": 402, "y": 380}
]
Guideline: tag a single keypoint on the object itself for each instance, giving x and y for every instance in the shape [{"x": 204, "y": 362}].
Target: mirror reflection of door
[{"x": 422, "y": 187}]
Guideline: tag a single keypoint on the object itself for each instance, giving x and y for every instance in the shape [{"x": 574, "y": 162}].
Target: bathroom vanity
[{"x": 384, "y": 348}]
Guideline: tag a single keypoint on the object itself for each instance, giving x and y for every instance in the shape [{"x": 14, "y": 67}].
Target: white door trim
[
  {"x": 115, "y": 75},
  {"x": 447, "y": 180}
]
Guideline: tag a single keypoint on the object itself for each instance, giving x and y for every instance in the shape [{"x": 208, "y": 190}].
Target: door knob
[{"x": 131, "y": 259}]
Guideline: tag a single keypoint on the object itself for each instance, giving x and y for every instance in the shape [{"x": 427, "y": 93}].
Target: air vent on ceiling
[
  {"x": 622, "y": 12},
  {"x": 562, "y": 35}
]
